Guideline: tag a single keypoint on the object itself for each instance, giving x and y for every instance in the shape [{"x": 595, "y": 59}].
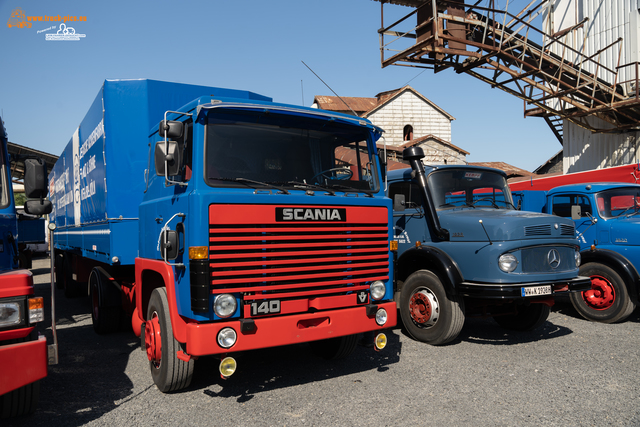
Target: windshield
[
  {"x": 456, "y": 187},
  {"x": 618, "y": 202},
  {"x": 267, "y": 148}
]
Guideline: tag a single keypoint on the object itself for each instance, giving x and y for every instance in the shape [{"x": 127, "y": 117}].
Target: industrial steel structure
[{"x": 558, "y": 78}]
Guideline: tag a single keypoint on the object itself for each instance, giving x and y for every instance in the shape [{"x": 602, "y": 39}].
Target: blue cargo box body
[{"x": 99, "y": 179}]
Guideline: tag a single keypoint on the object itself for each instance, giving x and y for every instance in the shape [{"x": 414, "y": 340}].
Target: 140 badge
[{"x": 265, "y": 307}]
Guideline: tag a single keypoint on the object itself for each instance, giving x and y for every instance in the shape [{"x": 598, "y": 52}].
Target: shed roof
[{"x": 510, "y": 170}]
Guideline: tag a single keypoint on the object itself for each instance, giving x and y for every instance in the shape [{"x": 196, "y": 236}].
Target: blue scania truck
[
  {"x": 464, "y": 250},
  {"x": 607, "y": 220},
  {"x": 217, "y": 221}
]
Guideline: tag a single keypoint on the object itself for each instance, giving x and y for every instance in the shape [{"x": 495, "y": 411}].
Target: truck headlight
[
  {"x": 10, "y": 314},
  {"x": 578, "y": 258},
  {"x": 381, "y": 317},
  {"x": 227, "y": 337},
  {"x": 507, "y": 262},
  {"x": 225, "y": 305},
  {"x": 377, "y": 289}
]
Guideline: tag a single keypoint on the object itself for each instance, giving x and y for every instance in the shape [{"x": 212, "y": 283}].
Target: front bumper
[
  {"x": 22, "y": 364},
  {"x": 286, "y": 330},
  {"x": 514, "y": 290}
]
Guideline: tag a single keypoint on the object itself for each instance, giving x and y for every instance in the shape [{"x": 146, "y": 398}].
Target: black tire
[
  {"x": 72, "y": 288},
  {"x": 169, "y": 373},
  {"x": 59, "y": 269},
  {"x": 608, "y": 300},
  {"x": 427, "y": 313},
  {"x": 22, "y": 401},
  {"x": 335, "y": 348},
  {"x": 105, "y": 310},
  {"x": 528, "y": 318}
]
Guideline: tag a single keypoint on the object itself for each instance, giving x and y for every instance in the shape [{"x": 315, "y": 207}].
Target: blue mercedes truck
[
  {"x": 607, "y": 221},
  {"x": 464, "y": 250},
  {"x": 217, "y": 221}
]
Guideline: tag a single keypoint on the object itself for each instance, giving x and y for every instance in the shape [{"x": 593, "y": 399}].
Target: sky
[{"x": 46, "y": 86}]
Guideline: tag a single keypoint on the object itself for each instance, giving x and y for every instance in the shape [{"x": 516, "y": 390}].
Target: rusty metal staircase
[{"x": 505, "y": 50}]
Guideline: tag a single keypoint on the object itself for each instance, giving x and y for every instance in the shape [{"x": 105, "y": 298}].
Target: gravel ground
[{"x": 570, "y": 372}]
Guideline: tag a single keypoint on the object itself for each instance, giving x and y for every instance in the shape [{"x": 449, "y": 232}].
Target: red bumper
[
  {"x": 285, "y": 330},
  {"x": 22, "y": 364}
]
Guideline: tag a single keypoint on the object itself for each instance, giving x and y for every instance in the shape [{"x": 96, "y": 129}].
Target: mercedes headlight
[{"x": 507, "y": 262}]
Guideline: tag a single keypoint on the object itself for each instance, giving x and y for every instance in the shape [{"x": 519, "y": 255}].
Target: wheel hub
[
  {"x": 424, "y": 308},
  {"x": 153, "y": 340},
  {"x": 601, "y": 295}
]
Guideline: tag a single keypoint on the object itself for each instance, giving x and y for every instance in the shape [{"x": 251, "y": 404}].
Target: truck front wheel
[
  {"x": 427, "y": 313},
  {"x": 21, "y": 401},
  {"x": 608, "y": 299},
  {"x": 168, "y": 372},
  {"x": 527, "y": 318}
]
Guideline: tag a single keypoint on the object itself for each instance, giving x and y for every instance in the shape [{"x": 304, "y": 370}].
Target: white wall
[
  {"x": 409, "y": 109},
  {"x": 584, "y": 150}
]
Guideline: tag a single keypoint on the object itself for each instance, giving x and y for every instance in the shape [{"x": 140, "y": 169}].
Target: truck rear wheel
[
  {"x": 105, "y": 312},
  {"x": 21, "y": 401},
  {"x": 72, "y": 289},
  {"x": 427, "y": 313},
  {"x": 335, "y": 348},
  {"x": 608, "y": 299},
  {"x": 169, "y": 373},
  {"x": 528, "y": 317}
]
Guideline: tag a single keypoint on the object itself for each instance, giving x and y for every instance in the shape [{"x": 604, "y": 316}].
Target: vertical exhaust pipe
[{"x": 414, "y": 156}]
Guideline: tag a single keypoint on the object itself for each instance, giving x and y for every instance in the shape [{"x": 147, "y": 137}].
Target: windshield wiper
[
  {"x": 305, "y": 185},
  {"x": 369, "y": 193},
  {"x": 250, "y": 181}
]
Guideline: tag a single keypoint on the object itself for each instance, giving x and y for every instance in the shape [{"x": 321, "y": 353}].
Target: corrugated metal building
[{"x": 608, "y": 21}]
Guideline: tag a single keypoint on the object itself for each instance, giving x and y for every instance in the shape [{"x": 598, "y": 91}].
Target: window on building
[{"x": 407, "y": 133}]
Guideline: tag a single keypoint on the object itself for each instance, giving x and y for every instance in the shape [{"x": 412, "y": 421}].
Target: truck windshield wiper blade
[
  {"x": 369, "y": 193},
  {"x": 306, "y": 185},
  {"x": 250, "y": 181}
]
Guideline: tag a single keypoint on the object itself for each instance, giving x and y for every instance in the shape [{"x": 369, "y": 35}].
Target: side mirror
[
  {"x": 398, "y": 203},
  {"x": 172, "y": 158},
  {"x": 170, "y": 245},
  {"x": 576, "y": 212},
  {"x": 170, "y": 129},
  {"x": 35, "y": 178},
  {"x": 38, "y": 207}
]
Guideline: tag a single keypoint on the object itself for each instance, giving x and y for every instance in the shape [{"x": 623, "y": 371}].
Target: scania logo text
[
  {"x": 311, "y": 214},
  {"x": 553, "y": 257}
]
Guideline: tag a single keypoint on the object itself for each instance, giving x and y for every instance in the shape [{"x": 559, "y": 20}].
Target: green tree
[{"x": 19, "y": 199}]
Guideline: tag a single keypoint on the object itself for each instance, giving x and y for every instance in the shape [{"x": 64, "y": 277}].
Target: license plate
[
  {"x": 259, "y": 308},
  {"x": 534, "y": 291}
]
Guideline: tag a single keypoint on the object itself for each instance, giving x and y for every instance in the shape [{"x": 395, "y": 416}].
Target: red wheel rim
[
  {"x": 153, "y": 340},
  {"x": 420, "y": 308},
  {"x": 601, "y": 296}
]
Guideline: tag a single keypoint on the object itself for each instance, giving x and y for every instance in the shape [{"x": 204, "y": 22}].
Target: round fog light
[
  {"x": 228, "y": 366},
  {"x": 381, "y": 316},
  {"x": 225, "y": 305},
  {"x": 377, "y": 289},
  {"x": 578, "y": 258},
  {"x": 227, "y": 337},
  {"x": 381, "y": 341}
]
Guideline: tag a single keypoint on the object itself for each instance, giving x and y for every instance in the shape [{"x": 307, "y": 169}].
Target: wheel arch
[
  {"x": 152, "y": 274},
  {"x": 432, "y": 259},
  {"x": 617, "y": 262}
]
